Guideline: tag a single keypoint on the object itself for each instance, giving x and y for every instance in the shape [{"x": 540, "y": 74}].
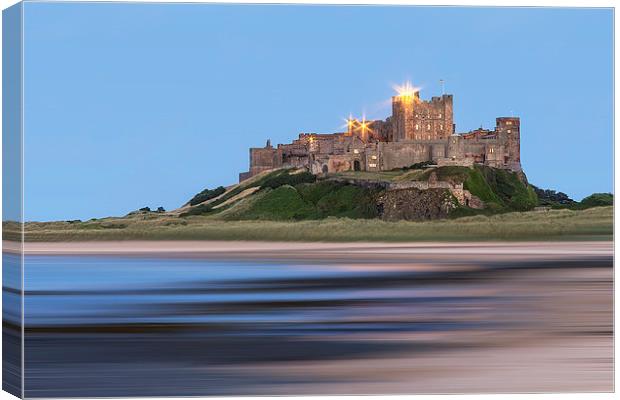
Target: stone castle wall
[{"x": 417, "y": 131}]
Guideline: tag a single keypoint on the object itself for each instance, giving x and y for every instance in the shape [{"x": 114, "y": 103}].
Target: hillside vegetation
[
  {"x": 298, "y": 195},
  {"x": 559, "y": 200},
  {"x": 501, "y": 190},
  {"x": 291, "y": 204},
  {"x": 591, "y": 224}
]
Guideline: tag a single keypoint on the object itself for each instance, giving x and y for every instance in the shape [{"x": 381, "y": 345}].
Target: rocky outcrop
[
  {"x": 463, "y": 196},
  {"x": 416, "y": 205}
]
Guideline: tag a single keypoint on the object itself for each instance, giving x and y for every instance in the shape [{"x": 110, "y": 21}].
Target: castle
[{"x": 417, "y": 131}]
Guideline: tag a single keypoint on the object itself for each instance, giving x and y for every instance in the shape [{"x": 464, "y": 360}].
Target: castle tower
[
  {"x": 419, "y": 120},
  {"x": 402, "y": 115},
  {"x": 433, "y": 120},
  {"x": 509, "y": 129}
]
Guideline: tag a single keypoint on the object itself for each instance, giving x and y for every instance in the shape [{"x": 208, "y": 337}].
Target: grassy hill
[
  {"x": 298, "y": 195},
  {"x": 293, "y": 204}
]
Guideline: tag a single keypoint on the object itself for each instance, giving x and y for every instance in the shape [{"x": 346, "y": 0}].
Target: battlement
[
  {"x": 508, "y": 121},
  {"x": 440, "y": 99}
]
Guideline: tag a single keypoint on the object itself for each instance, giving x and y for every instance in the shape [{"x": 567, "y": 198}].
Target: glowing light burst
[
  {"x": 349, "y": 122},
  {"x": 406, "y": 89},
  {"x": 365, "y": 125}
]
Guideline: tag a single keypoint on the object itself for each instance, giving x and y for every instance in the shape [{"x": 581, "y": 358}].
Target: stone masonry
[{"x": 417, "y": 131}]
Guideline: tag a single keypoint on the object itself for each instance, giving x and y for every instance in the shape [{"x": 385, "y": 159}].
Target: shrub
[
  {"x": 198, "y": 210},
  {"x": 547, "y": 197},
  {"x": 285, "y": 178},
  {"x": 207, "y": 194},
  {"x": 596, "y": 200},
  {"x": 419, "y": 165}
]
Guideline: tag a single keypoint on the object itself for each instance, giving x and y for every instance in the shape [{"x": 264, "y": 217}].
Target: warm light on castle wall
[{"x": 406, "y": 89}]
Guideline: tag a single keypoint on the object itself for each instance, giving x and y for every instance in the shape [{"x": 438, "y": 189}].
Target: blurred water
[
  {"x": 12, "y": 317},
  {"x": 112, "y": 326}
]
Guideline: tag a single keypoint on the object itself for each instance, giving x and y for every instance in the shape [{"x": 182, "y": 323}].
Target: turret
[
  {"x": 402, "y": 116},
  {"x": 510, "y": 129}
]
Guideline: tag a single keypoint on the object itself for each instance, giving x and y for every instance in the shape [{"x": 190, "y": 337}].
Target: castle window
[
  {"x": 491, "y": 150},
  {"x": 508, "y": 131},
  {"x": 439, "y": 116},
  {"x": 372, "y": 165},
  {"x": 441, "y": 127},
  {"x": 356, "y": 151},
  {"x": 417, "y": 127},
  {"x": 374, "y": 157},
  {"x": 428, "y": 127},
  {"x": 508, "y": 122}
]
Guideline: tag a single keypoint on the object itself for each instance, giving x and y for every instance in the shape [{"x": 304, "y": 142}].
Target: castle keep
[{"x": 417, "y": 131}]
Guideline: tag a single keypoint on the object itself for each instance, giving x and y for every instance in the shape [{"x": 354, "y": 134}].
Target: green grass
[
  {"x": 282, "y": 203},
  {"x": 500, "y": 189},
  {"x": 514, "y": 194},
  {"x": 590, "y": 224},
  {"x": 307, "y": 201},
  {"x": 340, "y": 200},
  {"x": 478, "y": 186}
]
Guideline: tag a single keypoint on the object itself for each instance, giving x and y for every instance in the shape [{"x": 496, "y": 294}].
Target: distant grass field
[{"x": 591, "y": 224}]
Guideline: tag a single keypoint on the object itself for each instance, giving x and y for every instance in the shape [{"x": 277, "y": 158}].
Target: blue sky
[{"x": 132, "y": 105}]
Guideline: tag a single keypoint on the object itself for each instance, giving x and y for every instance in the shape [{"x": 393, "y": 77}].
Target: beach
[
  {"x": 190, "y": 318},
  {"x": 317, "y": 250}
]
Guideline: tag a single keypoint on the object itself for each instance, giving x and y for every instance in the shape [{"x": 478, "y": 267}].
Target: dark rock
[{"x": 416, "y": 205}]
